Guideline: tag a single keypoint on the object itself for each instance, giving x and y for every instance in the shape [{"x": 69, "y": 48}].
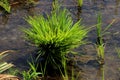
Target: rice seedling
[
  {"x": 5, "y": 4},
  {"x": 55, "y": 5},
  {"x": 80, "y": 3},
  {"x": 100, "y": 45},
  {"x": 101, "y": 53},
  {"x": 70, "y": 75},
  {"x": 103, "y": 74},
  {"x": 64, "y": 73},
  {"x": 55, "y": 36},
  {"x": 4, "y": 65},
  {"x": 32, "y": 74},
  {"x": 13, "y": 71},
  {"x": 73, "y": 77},
  {"x": 118, "y": 51},
  {"x": 69, "y": 72},
  {"x": 101, "y": 32}
]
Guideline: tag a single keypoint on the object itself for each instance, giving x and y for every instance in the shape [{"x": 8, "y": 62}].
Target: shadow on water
[
  {"x": 11, "y": 38},
  {"x": 4, "y": 18},
  {"x": 79, "y": 12},
  {"x": 100, "y": 73},
  {"x": 117, "y": 4}
]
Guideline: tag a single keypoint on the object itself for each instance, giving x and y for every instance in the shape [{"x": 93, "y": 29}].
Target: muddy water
[{"x": 11, "y": 37}]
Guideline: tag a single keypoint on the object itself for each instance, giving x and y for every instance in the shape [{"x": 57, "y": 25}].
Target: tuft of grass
[
  {"x": 5, "y": 4},
  {"x": 55, "y": 36},
  {"x": 32, "y": 74}
]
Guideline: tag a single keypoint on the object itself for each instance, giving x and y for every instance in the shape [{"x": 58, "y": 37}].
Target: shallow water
[{"x": 11, "y": 37}]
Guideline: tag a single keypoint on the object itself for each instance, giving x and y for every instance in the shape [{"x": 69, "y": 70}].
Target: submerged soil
[{"x": 11, "y": 36}]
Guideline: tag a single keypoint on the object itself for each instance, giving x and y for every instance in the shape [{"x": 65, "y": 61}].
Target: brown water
[{"x": 11, "y": 37}]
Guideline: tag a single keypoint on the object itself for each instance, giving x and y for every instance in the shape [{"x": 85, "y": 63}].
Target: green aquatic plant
[
  {"x": 101, "y": 53},
  {"x": 32, "y": 74},
  {"x": 64, "y": 73},
  {"x": 118, "y": 51},
  {"x": 101, "y": 32},
  {"x": 55, "y": 5},
  {"x": 4, "y": 65},
  {"x": 69, "y": 72},
  {"x": 13, "y": 71},
  {"x": 103, "y": 74},
  {"x": 80, "y": 2},
  {"x": 70, "y": 75},
  {"x": 100, "y": 45},
  {"x": 55, "y": 36},
  {"x": 5, "y": 4}
]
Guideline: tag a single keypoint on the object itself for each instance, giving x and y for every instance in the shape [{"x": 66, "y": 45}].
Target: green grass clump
[
  {"x": 5, "y": 4},
  {"x": 55, "y": 36},
  {"x": 32, "y": 74}
]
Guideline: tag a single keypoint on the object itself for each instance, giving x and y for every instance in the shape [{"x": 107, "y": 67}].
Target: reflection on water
[
  {"x": 31, "y": 11},
  {"x": 79, "y": 11},
  {"x": 4, "y": 17},
  {"x": 117, "y": 2},
  {"x": 100, "y": 73}
]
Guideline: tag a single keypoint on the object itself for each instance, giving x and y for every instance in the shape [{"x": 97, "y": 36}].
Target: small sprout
[
  {"x": 80, "y": 3},
  {"x": 100, "y": 45}
]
